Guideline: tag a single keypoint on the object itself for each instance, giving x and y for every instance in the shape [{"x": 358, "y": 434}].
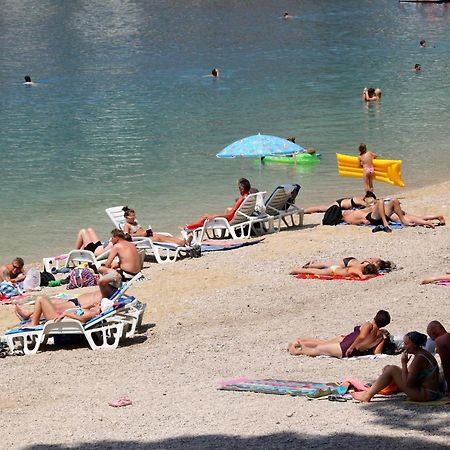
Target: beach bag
[
  {"x": 332, "y": 216},
  {"x": 45, "y": 278},
  {"x": 81, "y": 277},
  {"x": 32, "y": 280}
]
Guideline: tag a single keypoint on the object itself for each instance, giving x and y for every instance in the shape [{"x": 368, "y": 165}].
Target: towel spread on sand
[
  {"x": 393, "y": 225},
  {"x": 212, "y": 245},
  {"x": 442, "y": 282},
  {"x": 284, "y": 387},
  {"x": 310, "y": 276}
]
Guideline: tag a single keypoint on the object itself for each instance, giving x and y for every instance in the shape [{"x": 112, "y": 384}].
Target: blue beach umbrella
[{"x": 258, "y": 146}]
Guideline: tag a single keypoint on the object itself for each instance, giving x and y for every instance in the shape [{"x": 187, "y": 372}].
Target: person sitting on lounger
[
  {"x": 361, "y": 270},
  {"x": 429, "y": 280},
  {"x": 345, "y": 203},
  {"x": 244, "y": 190},
  {"x": 129, "y": 264},
  {"x": 52, "y": 310},
  {"x": 350, "y": 261},
  {"x": 366, "y": 339},
  {"x": 419, "y": 381},
  {"x": 13, "y": 272},
  {"x": 133, "y": 228},
  {"x": 87, "y": 239}
]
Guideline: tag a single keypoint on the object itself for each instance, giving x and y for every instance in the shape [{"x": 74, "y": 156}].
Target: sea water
[{"x": 122, "y": 111}]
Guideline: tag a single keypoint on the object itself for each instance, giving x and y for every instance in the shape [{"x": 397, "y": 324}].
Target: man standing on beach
[
  {"x": 441, "y": 338},
  {"x": 13, "y": 272},
  {"x": 128, "y": 266}
]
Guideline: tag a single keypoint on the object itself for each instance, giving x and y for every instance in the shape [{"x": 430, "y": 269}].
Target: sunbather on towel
[
  {"x": 13, "y": 272},
  {"x": 361, "y": 270},
  {"x": 52, "y": 310},
  {"x": 87, "y": 239},
  {"x": 429, "y": 280},
  {"x": 419, "y": 381},
  {"x": 350, "y": 261},
  {"x": 133, "y": 228},
  {"x": 345, "y": 203},
  {"x": 128, "y": 266},
  {"x": 363, "y": 340},
  {"x": 244, "y": 190}
]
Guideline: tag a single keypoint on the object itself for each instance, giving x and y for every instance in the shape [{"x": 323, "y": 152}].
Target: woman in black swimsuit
[
  {"x": 345, "y": 203},
  {"x": 350, "y": 261}
]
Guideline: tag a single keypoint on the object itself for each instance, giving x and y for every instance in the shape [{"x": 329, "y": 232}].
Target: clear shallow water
[{"x": 122, "y": 112}]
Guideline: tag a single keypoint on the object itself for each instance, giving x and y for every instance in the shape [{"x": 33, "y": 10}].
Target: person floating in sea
[
  {"x": 28, "y": 80},
  {"x": 366, "y": 158},
  {"x": 423, "y": 43},
  {"x": 286, "y": 15},
  {"x": 417, "y": 67},
  {"x": 371, "y": 94},
  {"x": 367, "y": 339},
  {"x": 215, "y": 73}
]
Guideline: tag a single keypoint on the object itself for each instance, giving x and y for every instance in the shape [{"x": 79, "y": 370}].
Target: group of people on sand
[{"x": 418, "y": 375}]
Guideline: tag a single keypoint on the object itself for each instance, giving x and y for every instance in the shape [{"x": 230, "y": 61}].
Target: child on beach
[{"x": 366, "y": 158}]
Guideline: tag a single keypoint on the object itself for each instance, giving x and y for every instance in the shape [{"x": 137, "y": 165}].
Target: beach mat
[
  {"x": 211, "y": 245},
  {"x": 310, "y": 276},
  {"x": 392, "y": 225},
  {"x": 283, "y": 387}
]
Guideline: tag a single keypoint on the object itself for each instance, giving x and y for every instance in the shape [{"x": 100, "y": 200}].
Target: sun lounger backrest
[
  {"x": 116, "y": 215},
  {"x": 246, "y": 209},
  {"x": 281, "y": 199}
]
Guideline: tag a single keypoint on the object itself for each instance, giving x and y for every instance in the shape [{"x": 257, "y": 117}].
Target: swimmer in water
[
  {"x": 215, "y": 73},
  {"x": 286, "y": 16},
  {"x": 423, "y": 43},
  {"x": 417, "y": 67},
  {"x": 27, "y": 79}
]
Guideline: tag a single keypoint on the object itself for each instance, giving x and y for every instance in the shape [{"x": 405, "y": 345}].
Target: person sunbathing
[
  {"x": 87, "y": 239},
  {"x": 133, "y": 228},
  {"x": 425, "y": 220},
  {"x": 362, "y": 270},
  {"x": 429, "y": 280},
  {"x": 350, "y": 261},
  {"x": 244, "y": 190},
  {"x": 78, "y": 309},
  {"x": 363, "y": 340},
  {"x": 419, "y": 381},
  {"x": 345, "y": 203}
]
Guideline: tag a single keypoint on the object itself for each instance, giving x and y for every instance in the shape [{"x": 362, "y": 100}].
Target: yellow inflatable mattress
[{"x": 386, "y": 170}]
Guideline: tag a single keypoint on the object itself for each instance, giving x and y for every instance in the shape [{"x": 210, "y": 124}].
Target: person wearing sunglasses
[{"x": 13, "y": 272}]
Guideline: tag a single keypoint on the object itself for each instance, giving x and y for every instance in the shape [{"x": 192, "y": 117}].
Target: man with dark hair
[
  {"x": 441, "y": 338},
  {"x": 367, "y": 339},
  {"x": 129, "y": 265},
  {"x": 13, "y": 272}
]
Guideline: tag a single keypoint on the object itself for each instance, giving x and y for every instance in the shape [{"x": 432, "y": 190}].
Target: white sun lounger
[
  {"x": 163, "y": 252},
  {"x": 242, "y": 225},
  {"x": 280, "y": 204},
  {"x": 104, "y": 331}
]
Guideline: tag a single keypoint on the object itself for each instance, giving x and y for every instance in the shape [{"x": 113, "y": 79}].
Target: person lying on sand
[
  {"x": 53, "y": 310},
  {"x": 13, "y": 272},
  {"x": 244, "y": 190},
  {"x": 367, "y": 339},
  {"x": 350, "y": 261},
  {"x": 429, "y": 280},
  {"x": 361, "y": 270},
  {"x": 133, "y": 228},
  {"x": 345, "y": 203},
  {"x": 419, "y": 381}
]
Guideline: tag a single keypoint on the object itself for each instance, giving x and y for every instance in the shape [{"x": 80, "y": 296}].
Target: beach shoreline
[{"x": 231, "y": 314}]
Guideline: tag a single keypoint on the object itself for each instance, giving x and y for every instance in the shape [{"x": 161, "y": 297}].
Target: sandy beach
[{"x": 231, "y": 314}]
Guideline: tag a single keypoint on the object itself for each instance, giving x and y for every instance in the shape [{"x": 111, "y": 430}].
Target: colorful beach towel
[
  {"x": 442, "y": 282},
  {"x": 309, "y": 276},
  {"x": 284, "y": 387},
  {"x": 212, "y": 245},
  {"x": 392, "y": 225}
]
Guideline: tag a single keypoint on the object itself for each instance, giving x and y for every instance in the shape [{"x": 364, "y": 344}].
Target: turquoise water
[{"x": 121, "y": 111}]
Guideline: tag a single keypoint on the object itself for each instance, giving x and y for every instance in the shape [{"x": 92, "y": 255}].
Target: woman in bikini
[
  {"x": 87, "y": 239},
  {"x": 345, "y": 203},
  {"x": 361, "y": 270},
  {"x": 53, "y": 310},
  {"x": 419, "y": 381},
  {"x": 350, "y": 261},
  {"x": 133, "y": 228},
  {"x": 366, "y": 158}
]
